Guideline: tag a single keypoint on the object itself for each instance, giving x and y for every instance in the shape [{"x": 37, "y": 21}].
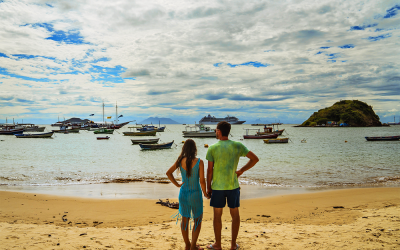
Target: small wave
[
  {"x": 2, "y": 178},
  {"x": 128, "y": 180}
]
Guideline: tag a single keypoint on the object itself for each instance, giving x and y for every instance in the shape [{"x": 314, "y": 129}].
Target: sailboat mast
[
  {"x": 116, "y": 113},
  {"x": 103, "y": 112}
]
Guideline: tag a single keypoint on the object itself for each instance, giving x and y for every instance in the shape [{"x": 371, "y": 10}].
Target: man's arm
[
  {"x": 253, "y": 160},
  {"x": 209, "y": 177}
]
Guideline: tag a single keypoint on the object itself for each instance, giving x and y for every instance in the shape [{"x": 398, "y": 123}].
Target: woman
[{"x": 190, "y": 198}]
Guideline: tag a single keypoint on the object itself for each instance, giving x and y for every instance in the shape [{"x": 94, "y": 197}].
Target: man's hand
[
  {"x": 209, "y": 193},
  {"x": 239, "y": 173}
]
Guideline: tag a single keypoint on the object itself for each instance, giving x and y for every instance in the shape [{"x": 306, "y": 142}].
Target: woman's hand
[{"x": 180, "y": 185}]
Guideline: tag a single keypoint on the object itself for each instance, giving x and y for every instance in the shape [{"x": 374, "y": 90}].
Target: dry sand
[{"x": 363, "y": 219}]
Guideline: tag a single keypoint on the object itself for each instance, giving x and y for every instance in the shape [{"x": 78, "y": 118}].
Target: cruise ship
[{"x": 212, "y": 120}]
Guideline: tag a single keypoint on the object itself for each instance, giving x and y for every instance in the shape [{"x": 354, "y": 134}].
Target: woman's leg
[
  {"x": 185, "y": 231},
  {"x": 195, "y": 232}
]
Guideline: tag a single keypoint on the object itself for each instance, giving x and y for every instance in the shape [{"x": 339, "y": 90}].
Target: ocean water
[{"x": 330, "y": 157}]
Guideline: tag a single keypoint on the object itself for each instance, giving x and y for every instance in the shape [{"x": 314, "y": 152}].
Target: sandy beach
[{"x": 367, "y": 218}]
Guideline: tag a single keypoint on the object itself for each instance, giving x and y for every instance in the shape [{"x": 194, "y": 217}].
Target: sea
[{"x": 318, "y": 158}]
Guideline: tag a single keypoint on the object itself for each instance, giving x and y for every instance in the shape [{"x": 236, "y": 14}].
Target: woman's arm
[
  {"x": 202, "y": 179},
  {"x": 171, "y": 176}
]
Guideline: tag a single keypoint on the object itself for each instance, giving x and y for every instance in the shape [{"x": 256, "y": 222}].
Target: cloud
[{"x": 189, "y": 59}]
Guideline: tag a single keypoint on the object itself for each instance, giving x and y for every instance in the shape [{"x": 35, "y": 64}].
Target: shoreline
[
  {"x": 151, "y": 190},
  {"x": 348, "y": 218}
]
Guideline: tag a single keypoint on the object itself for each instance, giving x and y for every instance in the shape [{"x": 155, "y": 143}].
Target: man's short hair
[{"x": 225, "y": 128}]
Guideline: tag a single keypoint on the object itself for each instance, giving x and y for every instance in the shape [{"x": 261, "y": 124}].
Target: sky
[{"x": 257, "y": 60}]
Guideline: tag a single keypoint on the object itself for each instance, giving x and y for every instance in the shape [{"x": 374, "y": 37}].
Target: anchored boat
[
  {"x": 41, "y": 135},
  {"x": 156, "y": 146}
]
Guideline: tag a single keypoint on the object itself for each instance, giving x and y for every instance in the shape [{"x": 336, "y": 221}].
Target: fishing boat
[
  {"x": 104, "y": 131},
  {"x": 41, "y": 135},
  {"x": 277, "y": 140},
  {"x": 383, "y": 138},
  {"x": 28, "y": 127},
  {"x": 145, "y": 141},
  {"x": 10, "y": 130},
  {"x": 145, "y": 133},
  {"x": 198, "y": 130},
  {"x": 257, "y": 135},
  {"x": 151, "y": 128},
  {"x": 260, "y": 136},
  {"x": 66, "y": 130},
  {"x": 271, "y": 130},
  {"x": 156, "y": 146},
  {"x": 103, "y": 138}
]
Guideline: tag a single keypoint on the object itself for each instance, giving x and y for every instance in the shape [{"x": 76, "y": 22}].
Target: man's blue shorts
[{"x": 219, "y": 198}]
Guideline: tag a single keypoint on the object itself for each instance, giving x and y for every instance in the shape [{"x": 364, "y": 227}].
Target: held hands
[{"x": 208, "y": 194}]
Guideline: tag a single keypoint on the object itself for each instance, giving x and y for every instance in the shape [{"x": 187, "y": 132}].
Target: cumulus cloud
[{"x": 242, "y": 57}]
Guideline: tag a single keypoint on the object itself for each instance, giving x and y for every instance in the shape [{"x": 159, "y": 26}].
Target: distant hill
[
  {"x": 156, "y": 120},
  {"x": 353, "y": 113}
]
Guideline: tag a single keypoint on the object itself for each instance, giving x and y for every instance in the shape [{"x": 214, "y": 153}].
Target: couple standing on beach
[{"x": 222, "y": 185}]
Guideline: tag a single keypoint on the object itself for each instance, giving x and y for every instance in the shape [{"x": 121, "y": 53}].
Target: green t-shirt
[{"x": 225, "y": 155}]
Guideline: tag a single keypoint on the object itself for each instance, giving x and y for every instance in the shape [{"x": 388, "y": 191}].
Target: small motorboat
[
  {"x": 383, "y": 138},
  {"x": 277, "y": 140},
  {"x": 41, "y": 135},
  {"x": 103, "y": 138},
  {"x": 145, "y": 141},
  {"x": 156, "y": 146}
]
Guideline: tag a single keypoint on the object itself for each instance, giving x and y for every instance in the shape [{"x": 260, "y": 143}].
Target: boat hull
[
  {"x": 42, "y": 135},
  {"x": 156, "y": 146},
  {"x": 103, "y": 138},
  {"x": 73, "y": 130},
  {"x": 11, "y": 132},
  {"x": 279, "y": 132},
  {"x": 104, "y": 131},
  {"x": 383, "y": 138},
  {"x": 260, "y": 136},
  {"x": 145, "y": 141},
  {"x": 147, "y": 133},
  {"x": 199, "y": 134},
  {"x": 279, "y": 140}
]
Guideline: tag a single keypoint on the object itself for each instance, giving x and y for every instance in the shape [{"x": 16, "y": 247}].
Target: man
[{"x": 223, "y": 158}]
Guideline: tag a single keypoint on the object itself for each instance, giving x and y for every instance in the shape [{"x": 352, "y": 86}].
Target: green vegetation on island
[{"x": 346, "y": 113}]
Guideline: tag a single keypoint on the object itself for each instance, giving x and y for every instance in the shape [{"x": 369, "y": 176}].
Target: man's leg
[
  {"x": 217, "y": 227},
  {"x": 235, "y": 225}
]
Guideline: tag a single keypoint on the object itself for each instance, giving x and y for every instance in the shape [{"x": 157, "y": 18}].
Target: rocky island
[{"x": 352, "y": 113}]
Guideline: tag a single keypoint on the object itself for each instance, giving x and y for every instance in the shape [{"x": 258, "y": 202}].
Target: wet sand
[{"x": 366, "y": 218}]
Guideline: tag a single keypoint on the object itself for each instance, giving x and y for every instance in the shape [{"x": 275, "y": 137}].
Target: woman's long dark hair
[{"x": 189, "y": 151}]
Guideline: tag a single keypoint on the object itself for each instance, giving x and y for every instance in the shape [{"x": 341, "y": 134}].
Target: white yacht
[{"x": 212, "y": 120}]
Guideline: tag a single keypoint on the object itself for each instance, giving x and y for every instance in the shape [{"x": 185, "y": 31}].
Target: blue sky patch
[
  {"x": 217, "y": 64},
  {"x": 320, "y": 52},
  {"x": 3, "y": 71},
  {"x": 347, "y": 46},
  {"x": 377, "y": 38},
  {"x": 331, "y": 61},
  {"x": 106, "y": 74},
  {"x": 271, "y": 50},
  {"x": 3, "y": 55},
  {"x": 333, "y": 56},
  {"x": 68, "y": 37},
  {"x": 103, "y": 59},
  {"x": 363, "y": 27},
  {"x": 254, "y": 64},
  {"x": 392, "y": 11},
  {"x": 324, "y": 47}
]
